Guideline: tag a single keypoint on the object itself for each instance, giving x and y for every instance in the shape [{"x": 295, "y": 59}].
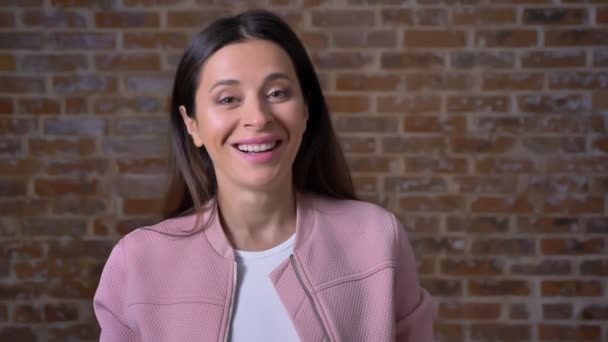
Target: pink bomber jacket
[{"x": 351, "y": 277}]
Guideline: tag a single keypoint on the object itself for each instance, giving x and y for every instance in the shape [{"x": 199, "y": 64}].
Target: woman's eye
[
  {"x": 278, "y": 94},
  {"x": 227, "y": 100}
]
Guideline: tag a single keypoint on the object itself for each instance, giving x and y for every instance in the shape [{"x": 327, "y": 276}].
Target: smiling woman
[{"x": 264, "y": 239}]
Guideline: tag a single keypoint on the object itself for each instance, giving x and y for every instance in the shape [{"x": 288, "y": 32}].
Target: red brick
[
  {"x": 414, "y": 145},
  {"x": 477, "y": 225},
  {"x": 553, "y": 59},
  {"x": 22, "y": 40},
  {"x": 578, "y": 80},
  {"x": 501, "y": 331},
  {"x": 38, "y": 106},
  {"x": 314, "y": 40},
  {"x": 519, "y": 311},
  {"x": 470, "y": 103},
  {"x": 355, "y": 144},
  {"x": 485, "y": 185},
  {"x": 141, "y": 165},
  {"x": 365, "y": 82},
  {"x": 53, "y": 63},
  {"x": 512, "y": 81},
  {"x": 11, "y": 147},
  {"x": 22, "y": 84},
  {"x": 81, "y": 3},
  {"x": 129, "y": 19},
  {"x": 60, "y": 312},
  {"x": 352, "y": 124},
  {"x": 555, "y": 16},
  {"x": 12, "y": 187},
  {"x": 548, "y": 145},
  {"x": 6, "y": 106},
  {"x": 562, "y": 246},
  {"x": 415, "y": 17},
  {"x": 63, "y": 19},
  {"x": 12, "y": 126},
  {"x": 348, "y": 104},
  {"x": 19, "y": 167},
  {"x": 25, "y": 313},
  {"x": 576, "y": 37},
  {"x": 425, "y": 81},
  {"x": 81, "y": 126},
  {"x": 442, "y": 287},
  {"x": 571, "y": 288},
  {"x": 595, "y": 312},
  {"x": 365, "y": 184},
  {"x": 434, "y": 39},
  {"x": 342, "y": 18},
  {"x": 426, "y": 246},
  {"x": 76, "y": 105},
  {"x": 19, "y": 333},
  {"x": 7, "y": 19},
  {"x": 558, "y": 103},
  {"x": 434, "y": 124},
  {"x": 81, "y": 206},
  {"x": 192, "y": 18},
  {"x": 473, "y": 311},
  {"x": 61, "y": 146},
  {"x": 58, "y": 187},
  {"x": 155, "y": 40},
  {"x": 484, "y": 16},
  {"x": 84, "y": 331},
  {"x": 572, "y": 204},
  {"x": 471, "y": 267},
  {"x": 601, "y": 15},
  {"x": 600, "y": 144},
  {"x": 83, "y": 40},
  {"x": 373, "y": 164},
  {"x": 477, "y": 145},
  {"x": 589, "y": 164},
  {"x": 84, "y": 84},
  {"x": 361, "y": 40},
  {"x": 7, "y": 62},
  {"x": 449, "y": 331},
  {"x": 414, "y": 184},
  {"x": 558, "y": 184},
  {"x": 594, "y": 267},
  {"x": 482, "y": 59},
  {"x": 408, "y": 105},
  {"x": 545, "y": 267},
  {"x": 557, "y": 311},
  {"x": 501, "y": 246},
  {"x": 506, "y": 38},
  {"x": 509, "y": 204},
  {"x": 498, "y": 288},
  {"x": 143, "y": 147},
  {"x": 549, "y": 332},
  {"x": 436, "y": 165},
  {"x": 439, "y": 203},
  {"x": 412, "y": 60},
  {"x": 128, "y": 62}
]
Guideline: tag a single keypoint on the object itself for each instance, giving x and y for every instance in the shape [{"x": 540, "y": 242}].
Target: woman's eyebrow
[
  {"x": 224, "y": 82},
  {"x": 270, "y": 77}
]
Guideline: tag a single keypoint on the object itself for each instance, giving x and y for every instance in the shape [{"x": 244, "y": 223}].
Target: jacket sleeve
[
  {"x": 109, "y": 300},
  {"x": 415, "y": 309}
]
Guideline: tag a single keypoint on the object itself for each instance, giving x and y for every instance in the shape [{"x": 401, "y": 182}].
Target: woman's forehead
[{"x": 250, "y": 60}]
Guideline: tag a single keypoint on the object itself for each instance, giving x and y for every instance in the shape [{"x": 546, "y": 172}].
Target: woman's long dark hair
[{"x": 319, "y": 166}]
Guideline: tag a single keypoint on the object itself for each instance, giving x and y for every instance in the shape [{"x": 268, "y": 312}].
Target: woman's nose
[{"x": 257, "y": 113}]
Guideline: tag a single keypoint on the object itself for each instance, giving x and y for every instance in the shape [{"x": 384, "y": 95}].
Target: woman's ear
[{"x": 191, "y": 126}]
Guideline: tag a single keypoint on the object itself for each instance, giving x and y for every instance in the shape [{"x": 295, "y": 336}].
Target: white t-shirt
[{"x": 258, "y": 313}]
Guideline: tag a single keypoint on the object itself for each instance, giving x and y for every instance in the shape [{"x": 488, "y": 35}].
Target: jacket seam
[
  {"x": 177, "y": 300},
  {"x": 320, "y": 307},
  {"x": 356, "y": 277}
]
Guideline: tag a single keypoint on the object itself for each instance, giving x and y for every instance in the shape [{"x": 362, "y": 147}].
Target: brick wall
[{"x": 482, "y": 123}]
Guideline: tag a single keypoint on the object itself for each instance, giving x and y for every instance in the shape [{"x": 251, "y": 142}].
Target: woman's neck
[{"x": 257, "y": 220}]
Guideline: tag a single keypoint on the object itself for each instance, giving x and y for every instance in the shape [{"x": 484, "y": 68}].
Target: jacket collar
[{"x": 209, "y": 223}]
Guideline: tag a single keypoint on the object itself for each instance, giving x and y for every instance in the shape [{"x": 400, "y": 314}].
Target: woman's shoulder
[{"x": 355, "y": 208}]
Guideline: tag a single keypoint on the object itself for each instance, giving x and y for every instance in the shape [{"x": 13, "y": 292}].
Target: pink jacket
[{"x": 351, "y": 277}]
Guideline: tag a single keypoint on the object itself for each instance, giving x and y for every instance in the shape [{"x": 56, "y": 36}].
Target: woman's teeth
[{"x": 257, "y": 147}]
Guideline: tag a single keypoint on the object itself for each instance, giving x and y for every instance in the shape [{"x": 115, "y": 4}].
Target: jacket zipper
[
  {"x": 312, "y": 303},
  {"x": 234, "y": 284}
]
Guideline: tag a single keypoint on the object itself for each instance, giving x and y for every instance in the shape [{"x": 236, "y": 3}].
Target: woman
[{"x": 266, "y": 241}]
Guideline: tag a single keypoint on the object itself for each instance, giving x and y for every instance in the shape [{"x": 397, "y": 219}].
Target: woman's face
[{"x": 250, "y": 115}]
